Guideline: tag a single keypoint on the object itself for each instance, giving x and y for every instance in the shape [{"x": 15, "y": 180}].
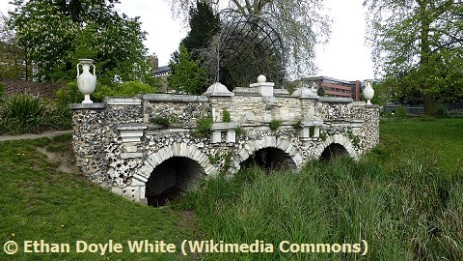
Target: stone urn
[
  {"x": 86, "y": 80},
  {"x": 368, "y": 92}
]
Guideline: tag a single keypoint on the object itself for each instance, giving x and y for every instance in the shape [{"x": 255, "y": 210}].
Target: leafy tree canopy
[
  {"x": 187, "y": 74},
  {"x": 204, "y": 24},
  {"x": 55, "y": 34},
  {"x": 417, "y": 46},
  {"x": 301, "y": 24},
  {"x": 11, "y": 55}
]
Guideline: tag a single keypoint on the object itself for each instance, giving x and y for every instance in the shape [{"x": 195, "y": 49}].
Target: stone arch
[
  {"x": 336, "y": 139},
  {"x": 176, "y": 154},
  {"x": 268, "y": 142}
]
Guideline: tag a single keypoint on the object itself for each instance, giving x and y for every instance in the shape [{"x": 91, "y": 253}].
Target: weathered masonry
[{"x": 142, "y": 147}]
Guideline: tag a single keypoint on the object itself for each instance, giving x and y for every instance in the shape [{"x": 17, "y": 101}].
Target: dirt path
[{"x": 50, "y": 134}]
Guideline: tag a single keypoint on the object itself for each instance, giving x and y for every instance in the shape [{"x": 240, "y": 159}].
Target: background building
[{"x": 336, "y": 87}]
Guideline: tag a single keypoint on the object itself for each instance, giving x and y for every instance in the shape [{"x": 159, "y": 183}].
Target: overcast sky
[{"x": 345, "y": 57}]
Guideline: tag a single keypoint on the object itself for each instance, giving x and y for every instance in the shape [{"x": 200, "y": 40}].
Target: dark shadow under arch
[
  {"x": 269, "y": 159},
  {"x": 333, "y": 151},
  {"x": 172, "y": 179}
]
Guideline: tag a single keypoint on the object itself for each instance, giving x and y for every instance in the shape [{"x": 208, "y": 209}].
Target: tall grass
[
  {"x": 412, "y": 213},
  {"x": 28, "y": 114}
]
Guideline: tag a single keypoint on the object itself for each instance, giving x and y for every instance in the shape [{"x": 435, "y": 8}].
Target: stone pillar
[
  {"x": 264, "y": 88},
  {"x": 220, "y": 99},
  {"x": 310, "y": 117},
  {"x": 89, "y": 140}
]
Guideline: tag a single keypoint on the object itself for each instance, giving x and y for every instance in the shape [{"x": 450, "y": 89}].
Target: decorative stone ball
[{"x": 261, "y": 78}]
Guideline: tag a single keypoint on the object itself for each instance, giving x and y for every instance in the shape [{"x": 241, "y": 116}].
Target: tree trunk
[{"x": 428, "y": 105}]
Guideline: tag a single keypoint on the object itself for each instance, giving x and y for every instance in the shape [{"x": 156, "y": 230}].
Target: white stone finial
[
  {"x": 261, "y": 79},
  {"x": 368, "y": 92}
]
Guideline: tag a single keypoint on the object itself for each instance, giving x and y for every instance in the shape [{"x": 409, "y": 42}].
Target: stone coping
[
  {"x": 87, "y": 106},
  {"x": 280, "y": 92},
  {"x": 174, "y": 98},
  {"x": 132, "y": 126},
  {"x": 336, "y": 100},
  {"x": 245, "y": 90},
  {"x": 223, "y": 125},
  {"x": 310, "y": 123},
  {"x": 123, "y": 101}
]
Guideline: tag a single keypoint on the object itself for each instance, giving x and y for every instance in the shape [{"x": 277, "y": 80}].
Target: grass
[
  {"x": 38, "y": 202},
  {"x": 405, "y": 198},
  {"x": 440, "y": 138}
]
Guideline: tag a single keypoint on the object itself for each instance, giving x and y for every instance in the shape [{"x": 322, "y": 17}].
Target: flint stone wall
[{"x": 118, "y": 145}]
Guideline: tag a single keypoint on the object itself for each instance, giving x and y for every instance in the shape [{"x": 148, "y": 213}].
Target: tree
[
  {"x": 11, "y": 55},
  {"x": 54, "y": 34},
  {"x": 301, "y": 24},
  {"x": 417, "y": 46},
  {"x": 204, "y": 24},
  {"x": 187, "y": 74}
]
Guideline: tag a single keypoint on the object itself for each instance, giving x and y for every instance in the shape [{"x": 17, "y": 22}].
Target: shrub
[
  {"x": 401, "y": 112},
  {"x": 441, "y": 112},
  {"x": 203, "y": 127},
  {"x": 68, "y": 94},
  {"x": 71, "y": 94},
  {"x": 297, "y": 125},
  {"x": 2, "y": 91},
  {"x": 163, "y": 121},
  {"x": 226, "y": 116},
  {"x": 132, "y": 88},
  {"x": 274, "y": 125},
  {"x": 22, "y": 113},
  {"x": 29, "y": 114},
  {"x": 239, "y": 131}
]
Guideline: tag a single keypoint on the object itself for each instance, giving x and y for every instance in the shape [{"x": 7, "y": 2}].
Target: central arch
[
  {"x": 278, "y": 150},
  {"x": 269, "y": 159},
  {"x": 172, "y": 179}
]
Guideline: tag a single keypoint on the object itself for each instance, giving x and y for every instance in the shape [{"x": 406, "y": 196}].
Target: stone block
[{"x": 231, "y": 136}]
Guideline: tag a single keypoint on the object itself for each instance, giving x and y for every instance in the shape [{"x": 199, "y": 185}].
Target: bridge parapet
[{"x": 136, "y": 147}]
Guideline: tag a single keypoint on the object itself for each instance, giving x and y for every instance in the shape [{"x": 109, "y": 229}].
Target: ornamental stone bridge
[{"x": 145, "y": 147}]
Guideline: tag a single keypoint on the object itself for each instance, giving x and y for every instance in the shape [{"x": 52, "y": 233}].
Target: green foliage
[
  {"x": 28, "y": 114},
  {"x": 274, "y": 125},
  {"x": 87, "y": 29},
  {"x": 203, "y": 127},
  {"x": 226, "y": 116},
  {"x": 163, "y": 121},
  {"x": 297, "y": 125},
  {"x": 401, "y": 112},
  {"x": 11, "y": 55},
  {"x": 383, "y": 93},
  {"x": 187, "y": 74},
  {"x": 354, "y": 139},
  {"x": 300, "y": 24},
  {"x": 386, "y": 198},
  {"x": 68, "y": 94},
  {"x": 203, "y": 25},
  {"x": 321, "y": 91},
  {"x": 121, "y": 90},
  {"x": 415, "y": 47},
  {"x": 240, "y": 132},
  {"x": 441, "y": 112},
  {"x": 2, "y": 92},
  {"x": 49, "y": 204},
  {"x": 214, "y": 159},
  {"x": 323, "y": 136}
]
